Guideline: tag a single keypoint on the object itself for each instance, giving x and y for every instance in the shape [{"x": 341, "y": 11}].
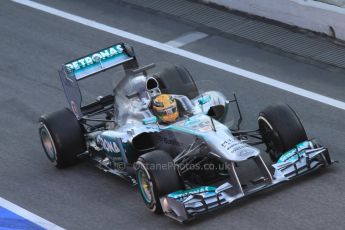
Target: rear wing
[{"x": 78, "y": 69}]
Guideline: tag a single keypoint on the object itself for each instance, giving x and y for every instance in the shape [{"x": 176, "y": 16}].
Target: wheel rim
[
  {"x": 145, "y": 186},
  {"x": 48, "y": 144}
]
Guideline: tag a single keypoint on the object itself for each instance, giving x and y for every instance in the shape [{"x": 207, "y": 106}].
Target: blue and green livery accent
[
  {"x": 150, "y": 120},
  {"x": 204, "y": 99},
  {"x": 183, "y": 194},
  {"x": 292, "y": 155}
]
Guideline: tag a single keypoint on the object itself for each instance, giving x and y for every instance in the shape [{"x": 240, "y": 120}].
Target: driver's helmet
[{"x": 165, "y": 108}]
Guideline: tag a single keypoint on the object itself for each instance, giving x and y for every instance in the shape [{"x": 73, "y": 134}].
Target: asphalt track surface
[{"x": 35, "y": 44}]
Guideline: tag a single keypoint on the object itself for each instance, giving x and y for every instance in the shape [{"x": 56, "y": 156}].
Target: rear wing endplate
[{"x": 78, "y": 69}]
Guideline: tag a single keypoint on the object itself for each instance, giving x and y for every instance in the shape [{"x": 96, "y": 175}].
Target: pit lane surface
[{"x": 35, "y": 44}]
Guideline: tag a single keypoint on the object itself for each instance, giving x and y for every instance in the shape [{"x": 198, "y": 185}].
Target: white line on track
[
  {"x": 28, "y": 215},
  {"x": 186, "y": 39},
  {"x": 190, "y": 55}
]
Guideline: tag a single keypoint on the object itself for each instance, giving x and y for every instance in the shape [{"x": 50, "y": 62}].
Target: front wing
[{"x": 186, "y": 205}]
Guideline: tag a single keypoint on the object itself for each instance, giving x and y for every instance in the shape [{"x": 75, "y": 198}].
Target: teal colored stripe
[
  {"x": 115, "y": 60},
  {"x": 181, "y": 129}
]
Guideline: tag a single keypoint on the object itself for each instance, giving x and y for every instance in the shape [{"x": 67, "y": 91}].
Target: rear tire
[
  {"x": 62, "y": 137},
  {"x": 281, "y": 129},
  {"x": 177, "y": 80},
  {"x": 156, "y": 177}
]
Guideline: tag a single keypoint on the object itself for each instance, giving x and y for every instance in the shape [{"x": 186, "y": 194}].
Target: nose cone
[{"x": 228, "y": 147}]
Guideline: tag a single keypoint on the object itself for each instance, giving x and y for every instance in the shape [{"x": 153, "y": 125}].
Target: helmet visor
[{"x": 168, "y": 111}]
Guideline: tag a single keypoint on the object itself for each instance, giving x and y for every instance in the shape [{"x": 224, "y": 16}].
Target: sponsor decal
[
  {"x": 198, "y": 123},
  {"x": 245, "y": 152},
  {"x": 233, "y": 145},
  {"x": 239, "y": 148},
  {"x": 95, "y": 58},
  {"x": 205, "y": 126},
  {"x": 183, "y": 194},
  {"x": 109, "y": 146}
]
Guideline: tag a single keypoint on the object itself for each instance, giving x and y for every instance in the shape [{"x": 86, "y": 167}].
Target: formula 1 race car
[{"x": 176, "y": 138}]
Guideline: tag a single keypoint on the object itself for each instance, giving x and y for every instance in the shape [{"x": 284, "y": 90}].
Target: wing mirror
[{"x": 216, "y": 111}]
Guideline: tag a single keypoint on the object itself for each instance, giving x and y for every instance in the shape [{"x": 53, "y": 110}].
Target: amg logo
[{"x": 108, "y": 146}]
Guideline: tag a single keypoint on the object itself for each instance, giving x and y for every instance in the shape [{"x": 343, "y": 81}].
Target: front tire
[
  {"x": 156, "y": 177},
  {"x": 61, "y": 137},
  {"x": 281, "y": 129}
]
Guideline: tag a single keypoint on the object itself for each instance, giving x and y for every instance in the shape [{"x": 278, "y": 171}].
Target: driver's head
[{"x": 165, "y": 108}]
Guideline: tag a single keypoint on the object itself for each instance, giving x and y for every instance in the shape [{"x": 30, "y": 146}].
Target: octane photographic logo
[
  {"x": 95, "y": 58},
  {"x": 109, "y": 146}
]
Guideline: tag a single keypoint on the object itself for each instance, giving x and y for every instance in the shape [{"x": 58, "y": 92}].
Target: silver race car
[{"x": 177, "y": 139}]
